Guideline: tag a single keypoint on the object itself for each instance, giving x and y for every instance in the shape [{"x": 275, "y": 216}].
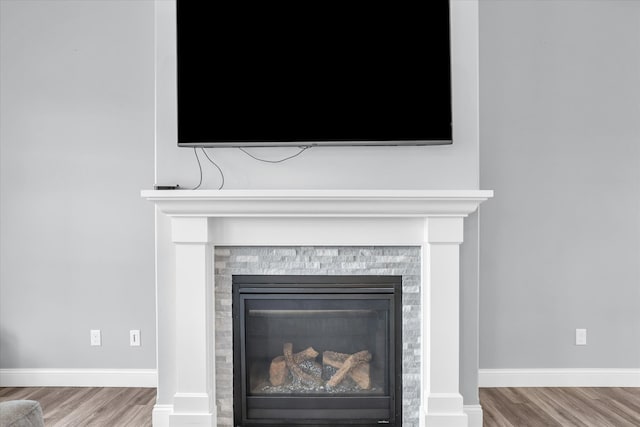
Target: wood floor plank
[
  {"x": 124, "y": 405},
  {"x": 72, "y": 400},
  {"x": 520, "y": 410},
  {"x": 554, "y": 408},
  {"x": 627, "y": 398},
  {"x": 561, "y": 406},
  {"x": 589, "y": 411},
  {"x": 89, "y": 407},
  {"x": 138, "y": 416},
  {"x": 14, "y": 393}
]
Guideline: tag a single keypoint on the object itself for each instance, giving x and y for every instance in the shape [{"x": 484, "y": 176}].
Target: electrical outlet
[
  {"x": 96, "y": 337},
  {"x": 581, "y": 337},
  {"x": 134, "y": 337}
]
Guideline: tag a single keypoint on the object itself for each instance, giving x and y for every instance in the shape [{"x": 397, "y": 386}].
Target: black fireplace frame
[{"x": 342, "y": 410}]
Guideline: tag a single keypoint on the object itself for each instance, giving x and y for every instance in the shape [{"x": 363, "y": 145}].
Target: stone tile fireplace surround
[
  {"x": 325, "y": 261},
  {"x": 411, "y": 233}
]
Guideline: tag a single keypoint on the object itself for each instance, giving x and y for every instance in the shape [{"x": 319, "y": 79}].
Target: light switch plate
[
  {"x": 96, "y": 337},
  {"x": 134, "y": 337}
]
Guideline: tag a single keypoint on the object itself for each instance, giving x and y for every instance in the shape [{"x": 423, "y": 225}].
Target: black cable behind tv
[{"x": 304, "y": 73}]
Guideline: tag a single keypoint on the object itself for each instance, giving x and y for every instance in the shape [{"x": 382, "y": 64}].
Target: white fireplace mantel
[
  {"x": 203, "y": 219},
  {"x": 316, "y": 203}
]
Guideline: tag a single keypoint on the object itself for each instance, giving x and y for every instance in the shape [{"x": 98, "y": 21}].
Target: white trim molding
[
  {"x": 559, "y": 377},
  {"x": 316, "y": 203},
  {"x": 78, "y": 378},
  {"x": 160, "y": 415},
  {"x": 474, "y": 414}
]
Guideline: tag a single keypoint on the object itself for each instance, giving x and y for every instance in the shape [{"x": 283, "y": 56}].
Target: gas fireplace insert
[{"x": 317, "y": 350}]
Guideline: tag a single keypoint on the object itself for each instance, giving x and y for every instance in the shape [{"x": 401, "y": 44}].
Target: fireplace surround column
[
  {"x": 193, "y": 402},
  {"x": 441, "y": 400}
]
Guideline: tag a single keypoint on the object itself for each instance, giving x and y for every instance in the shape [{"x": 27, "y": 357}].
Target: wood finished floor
[
  {"x": 89, "y": 407},
  {"x": 561, "y": 406},
  {"x": 502, "y": 407}
]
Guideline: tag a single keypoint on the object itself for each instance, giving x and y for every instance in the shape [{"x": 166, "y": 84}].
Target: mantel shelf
[{"x": 317, "y": 203}]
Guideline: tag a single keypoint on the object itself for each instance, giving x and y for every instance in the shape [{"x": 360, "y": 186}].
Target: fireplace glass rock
[{"x": 316, "y": 350}]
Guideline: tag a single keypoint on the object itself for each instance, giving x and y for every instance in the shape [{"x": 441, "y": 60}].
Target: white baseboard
[
  {"x": 160, "y": 415},
  {"x": 78, "y": 378},
  {"x": 559, "y": 377},
  {"x": 474, "y": 414}
]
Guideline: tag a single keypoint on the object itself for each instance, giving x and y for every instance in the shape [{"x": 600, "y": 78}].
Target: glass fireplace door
[{"x": 314, "y": 354}]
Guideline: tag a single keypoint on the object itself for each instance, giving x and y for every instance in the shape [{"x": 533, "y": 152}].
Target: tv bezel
[
  {"x": 316, "y": 142},
  {"x": 322, "y": 143}
]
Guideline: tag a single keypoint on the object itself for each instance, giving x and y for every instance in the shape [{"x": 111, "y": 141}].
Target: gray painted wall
[
  {"x": 76, "y": 148},
  {"x": 469, "y": 310},
  {"x": 560, "y": 145}
]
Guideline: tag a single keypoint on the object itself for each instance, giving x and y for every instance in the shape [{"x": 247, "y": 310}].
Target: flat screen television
[{"x": 275, "y": 73}]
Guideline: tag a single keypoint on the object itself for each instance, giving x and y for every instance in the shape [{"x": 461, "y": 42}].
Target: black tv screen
[{"x": 275, "y": 73}]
